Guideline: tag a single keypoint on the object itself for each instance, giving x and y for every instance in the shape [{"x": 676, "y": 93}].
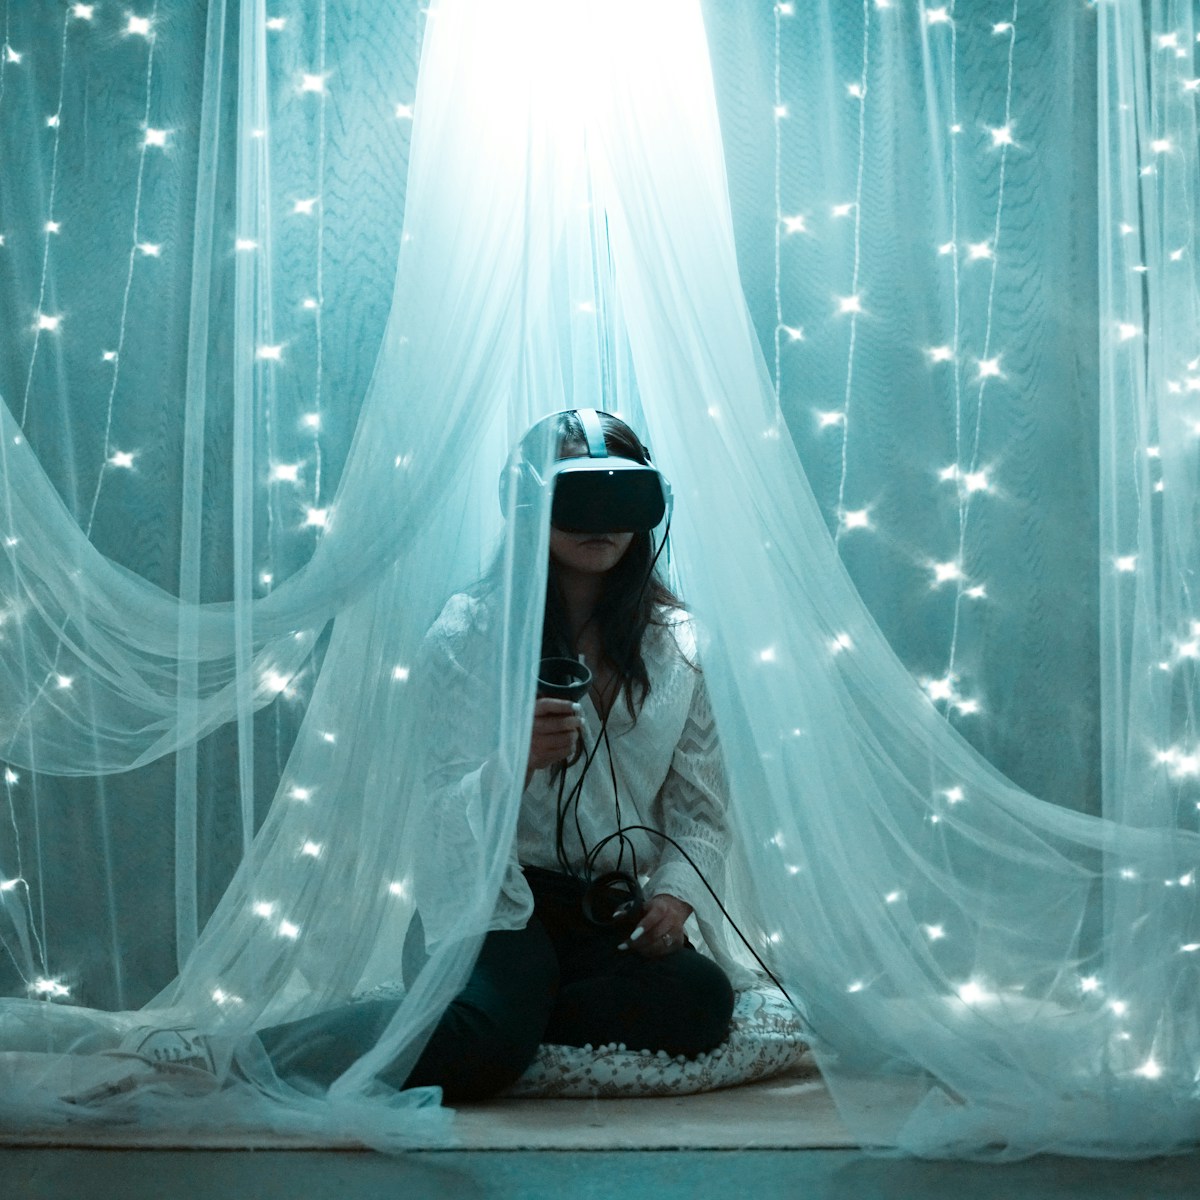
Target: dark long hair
[{"x": 634, "y": 596}]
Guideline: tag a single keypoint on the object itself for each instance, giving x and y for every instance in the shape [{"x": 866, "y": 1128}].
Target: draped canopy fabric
[{"x": 249, "y": 455}]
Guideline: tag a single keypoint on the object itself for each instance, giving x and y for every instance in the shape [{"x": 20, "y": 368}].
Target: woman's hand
[
  {"x": 660, "y": 931},
  {"x": 555, "y": 736}
]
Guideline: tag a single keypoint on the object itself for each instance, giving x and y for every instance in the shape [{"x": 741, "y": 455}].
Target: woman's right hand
[{"x": 555, "y": 737}]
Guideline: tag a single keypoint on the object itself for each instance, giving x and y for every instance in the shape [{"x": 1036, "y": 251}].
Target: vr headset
[{"x": 597, "y": 493}]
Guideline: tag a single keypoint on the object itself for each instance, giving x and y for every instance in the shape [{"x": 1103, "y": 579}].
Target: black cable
[{"x": 666, "y": 837}]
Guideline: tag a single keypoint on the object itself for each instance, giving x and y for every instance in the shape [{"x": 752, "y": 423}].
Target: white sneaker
[
  {"x": 169, "y": 1047},
  {"x": 184, "y": 1056}
]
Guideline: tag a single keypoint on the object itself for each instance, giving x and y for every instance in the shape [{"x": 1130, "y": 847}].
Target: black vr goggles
[{"x": 596, "y": 493}]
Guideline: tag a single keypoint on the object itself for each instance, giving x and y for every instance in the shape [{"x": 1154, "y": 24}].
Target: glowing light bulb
[
  {"x": 934, "y": 933},
  {"x": 1191, "y": 85},
  {"x": 1119, "y": 1007},
  {"x": 828, "y": 419},
  {"x": 313, "y": 83},
  {"x": 63, "y": 681},
  {"x": 308, "y": 302},
  {"x": 859, "y": 519},
  {"x": 842, "y": 210},
  {"x": 138, "y": 26},
  {"x": 940, "y": 689},
  {"x": 1002, "y": 27},
  {"x": 400, "y": 674},
  {"x": 264, "y": 908},
  {"x": 300, "y": 793},
  {"x": 52, "y": 226},
  {"x": 794, "y": 224},
  {"x": 1177, "y": 255},
  {"x": 892, "y": 897},
  {"x": 121, "y": 458},
  {"x": 856, "y": 986},
  {"x": 265, "y": 578},
  {"x": 849, "y": 304},
  {"x": 954, "y": 795},
  {"x": 972, "y": 992},
  {"x": 946, "y": 248},
  {"x": 1126, "y": 229},
  {"x": 1002, "y": 136},
  {"x": 311, "y": 420},
  {"x": 1125, "y": 331},
  {"x": 976, "y": 481},
  {"x": 977, "y": 250},
  {"x": 404, "y": 112},
  {"x": 52, "y": 988},
  {"x": 305, "y": 207},
  {"x": 938, "y": 16},
  {"x": 989, "y": 368},
  {"x": 150, "y": 249},
  {"x": 155, "y": 137},
  {"x": 1089, "y": 983},
  {"x": 966, "y": 708},
  {"x": 794, "y": 333},
  {"x": 1166, "y": 40},
  {"x": 329, "y": 737},
  {"x": 1149, "y": 1069},
  {"x": 46, "y": 321},
  {"x": 316, "y": 517},
  {"x": 978, "y": 592},
  {"x": 7, "y": 885},
  {"x": 785, "y": 9},
  {"x": 1128, "y": 873},
  {"x": 285, "y": 472},
  {"x": 109, "y": 356},
  {"x": 780, "y": 111},
  {"x": 1126, "y": 562},
  {"x": 244, "y": 244},
  {"x": 1190, "y": 948},
  {"x": 10, "y": 776},
  {"x": 288, "y": 930},
  {"x": 275, "y": 24},
  {"x": 311, "y": 850},
  {"x": 398, "y": 887},
  {"x": 10, "y": 55},
  {"x": 940, "y": 354},
  {"x": 273, "y": 353},
  {"x": 767, "y": 655},
  {"x": 946, "y": 571},
  {"x": 1160, "y": 145},
  {"x": 1190, "y": 649},
  {"x": 842, "y": 642},
  {"x": 855, "y": 90},
  {"x": 52, "y": 121}
]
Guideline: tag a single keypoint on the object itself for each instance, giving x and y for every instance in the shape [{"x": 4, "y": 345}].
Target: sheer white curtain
[{"x": 986, "y": 973}]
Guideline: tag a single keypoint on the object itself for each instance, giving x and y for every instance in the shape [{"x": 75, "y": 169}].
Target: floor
[{"x": 780, "y": 1138}]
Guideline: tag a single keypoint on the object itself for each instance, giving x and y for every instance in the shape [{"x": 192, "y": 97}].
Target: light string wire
[
  {"x": 320, "y": 296},
  {"x": 152, "y": 39},
  {"x": 50, "y": 227},
  {"x": 778, "y": 169},
  {"x": 855, "y": 308},
  {"x": 49, "y": 231},
  {"x": 965, "y": 494}
]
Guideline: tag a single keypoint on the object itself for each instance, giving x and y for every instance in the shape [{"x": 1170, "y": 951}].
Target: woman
[{"x": 607, "y": 778}]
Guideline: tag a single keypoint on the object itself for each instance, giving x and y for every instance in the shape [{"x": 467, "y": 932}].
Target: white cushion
[{"x": 766, "y": 1037}]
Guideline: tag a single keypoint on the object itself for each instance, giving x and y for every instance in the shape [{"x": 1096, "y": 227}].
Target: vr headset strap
[{"x": 589, "y": 418}]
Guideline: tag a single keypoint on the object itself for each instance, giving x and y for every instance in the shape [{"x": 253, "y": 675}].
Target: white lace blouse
[{"x": 667, "y": 767}]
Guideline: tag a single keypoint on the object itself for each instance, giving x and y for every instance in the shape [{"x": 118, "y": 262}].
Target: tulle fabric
[{"x": 986, "y": 973}]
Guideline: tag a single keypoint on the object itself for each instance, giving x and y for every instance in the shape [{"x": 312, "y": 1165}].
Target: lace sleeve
[{"x": 692, "y": 802}]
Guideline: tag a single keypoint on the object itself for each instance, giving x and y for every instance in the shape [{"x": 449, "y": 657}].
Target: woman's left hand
[{"x": 660, "y": 931}]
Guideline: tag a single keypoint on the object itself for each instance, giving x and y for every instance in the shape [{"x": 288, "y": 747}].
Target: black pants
[{"x": 560, "y": 979}]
